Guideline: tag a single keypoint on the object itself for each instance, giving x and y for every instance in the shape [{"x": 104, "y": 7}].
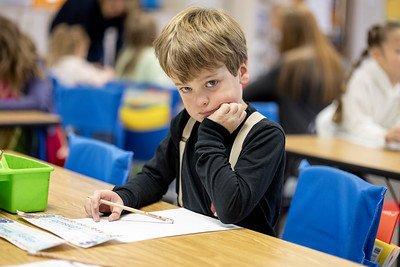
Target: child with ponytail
[{"x": 369, "y": 109}]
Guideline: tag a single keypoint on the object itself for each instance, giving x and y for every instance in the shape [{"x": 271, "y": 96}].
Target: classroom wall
[
  {"x": 361, "y": 15},
  {"x": 254, "y": 16}
]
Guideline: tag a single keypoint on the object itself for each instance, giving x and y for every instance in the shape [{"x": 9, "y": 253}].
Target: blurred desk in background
[
  {"x": 345, "y": 155},
  {"x": 28, "y": 118},
  {"x": 36, "y": 123}
]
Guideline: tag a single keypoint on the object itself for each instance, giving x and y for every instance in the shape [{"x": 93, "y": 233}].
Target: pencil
[
  {"x": 168, "y": 220},
  {"x": 63, "y": 257}
]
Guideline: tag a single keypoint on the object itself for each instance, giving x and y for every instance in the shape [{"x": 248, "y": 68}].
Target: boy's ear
[{"x": 244, "y": 75}]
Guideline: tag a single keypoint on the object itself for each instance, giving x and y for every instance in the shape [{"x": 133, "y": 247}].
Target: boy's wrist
[{"x": 214, "y": 128}]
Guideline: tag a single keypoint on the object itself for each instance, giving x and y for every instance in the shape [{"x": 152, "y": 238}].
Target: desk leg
[{"x": 41, "y": 153}]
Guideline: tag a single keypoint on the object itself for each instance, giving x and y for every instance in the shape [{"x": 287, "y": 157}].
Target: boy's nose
[{"x": 202, "y": 100}]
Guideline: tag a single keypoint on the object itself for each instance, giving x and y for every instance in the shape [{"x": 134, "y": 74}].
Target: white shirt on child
[
  {"x": 371, "y": 105},
  {"x": 73, "y": 70}
]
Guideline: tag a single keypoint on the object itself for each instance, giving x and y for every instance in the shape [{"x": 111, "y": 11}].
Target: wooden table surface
[
  {"x": 241, "y": 247},
  {"x": 350, "y": 156},
  {"x": 27, "y": 118}
]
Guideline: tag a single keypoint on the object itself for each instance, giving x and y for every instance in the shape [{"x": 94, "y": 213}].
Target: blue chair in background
[
  {"x": 98, "y": 159},
  {"x": 335, "y": 212},
  {"x": 268, "y": 109},
  {"x": 91, "y": 112}
]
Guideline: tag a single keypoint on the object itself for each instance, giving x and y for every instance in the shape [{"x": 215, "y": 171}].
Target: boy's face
[{"x": 206, "y": 93}]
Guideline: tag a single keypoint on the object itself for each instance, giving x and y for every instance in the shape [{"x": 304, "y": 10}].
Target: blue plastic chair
[
  {"x": 98, "y": 159},
  {"x": 268, "y": 109},
  {"x": 335, "y": 212},
  {"x": 91, "y": 112}
]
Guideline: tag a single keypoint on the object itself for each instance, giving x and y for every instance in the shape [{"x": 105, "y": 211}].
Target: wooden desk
[
  {"x": 345, "y": 155},
  {"x": 27, "y": 118},
  {"x": 241, "y": 247}
]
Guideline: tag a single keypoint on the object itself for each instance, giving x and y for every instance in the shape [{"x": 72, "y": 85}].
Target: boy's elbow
[{"x": 229, "y": 216}]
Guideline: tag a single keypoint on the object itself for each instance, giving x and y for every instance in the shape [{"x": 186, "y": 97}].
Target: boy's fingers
[
  {"x": 115, "y": 214},
  {"x": 95, "y": 206}
]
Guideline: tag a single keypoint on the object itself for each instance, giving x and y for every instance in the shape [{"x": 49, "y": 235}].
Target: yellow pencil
[{"x": 168, "y": 220}]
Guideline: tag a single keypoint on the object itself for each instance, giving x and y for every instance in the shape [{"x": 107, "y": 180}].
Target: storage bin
[{"x": 24, "y": 184}]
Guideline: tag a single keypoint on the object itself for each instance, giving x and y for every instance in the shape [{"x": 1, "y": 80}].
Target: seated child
[
  {"x": 204, "y": 52},
  {"x": 67, "y": 62},
  {"x": 368, "y": 112}
]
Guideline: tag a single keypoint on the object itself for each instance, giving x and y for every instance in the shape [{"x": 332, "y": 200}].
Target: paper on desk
[
  {"x": 136, "y": 227},
  {"x": 70, "y": 230},
  {"x": 27, "y": 238}
]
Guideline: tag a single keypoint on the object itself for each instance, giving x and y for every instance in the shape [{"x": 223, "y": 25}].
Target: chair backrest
[
  {"x": 335, "y": 212},
  {"x": 268, "y": 109},
  {"x": 98, "y": 159},
  {"x": 93, "y": 112}
]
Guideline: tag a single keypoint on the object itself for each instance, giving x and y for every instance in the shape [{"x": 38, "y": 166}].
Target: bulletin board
[{"x": 393, "y": 9}]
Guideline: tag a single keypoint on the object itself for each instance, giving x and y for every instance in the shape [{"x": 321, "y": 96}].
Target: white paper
[
  {"x": 136, "y": 227},
  {"x": 27, "y": 238},
  {"x": 70, "y": 230}
]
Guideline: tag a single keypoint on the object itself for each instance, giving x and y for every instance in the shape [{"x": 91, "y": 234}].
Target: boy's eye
[
  {"x": 211, "y": 83},
  {"x": 185, "y": 89}
]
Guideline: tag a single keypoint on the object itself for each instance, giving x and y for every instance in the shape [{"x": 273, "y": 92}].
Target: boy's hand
[
  {"x": 229, "y": 115},
  {"x": 93, "y": 206}
]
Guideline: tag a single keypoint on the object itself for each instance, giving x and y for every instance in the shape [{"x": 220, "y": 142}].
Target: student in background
[
  {"x": 137, "y": 61},
  {"x": 96, "y": 17},
  {"x": 23, "y": 85},
  {"x": 67, "y": 62},
  {"x": 204, "y": 52},
  {"x": 369, "y": 110},
  {"x": 308, "y": 75}
]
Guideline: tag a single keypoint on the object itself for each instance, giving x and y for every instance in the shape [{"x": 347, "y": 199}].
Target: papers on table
[
  {"x": 86, "y": 233},
  {"x": 136, "y": 227},
  {"x": 74, "y": 232},
  {"x": 27, "y": 238}
]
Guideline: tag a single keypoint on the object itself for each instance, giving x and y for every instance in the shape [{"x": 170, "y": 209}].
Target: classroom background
[{"x": 345, "y": 22}]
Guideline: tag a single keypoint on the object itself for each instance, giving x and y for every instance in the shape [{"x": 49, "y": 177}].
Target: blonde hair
[
  {"x": 64, "y": 40},
  {"x": 308, "y": 57},
  {"x": 18, "y": 57},
  {"x": 197, "y": 39},
  {"x": 376, "y": 37},
  {"x": 140, "y": 32}
]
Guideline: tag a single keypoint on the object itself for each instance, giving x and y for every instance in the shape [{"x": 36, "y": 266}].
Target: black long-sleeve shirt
[{"x": 249, "y": 196}]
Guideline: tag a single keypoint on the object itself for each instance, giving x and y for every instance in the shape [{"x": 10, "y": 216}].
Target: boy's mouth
[{"x": 207, "y": 113}]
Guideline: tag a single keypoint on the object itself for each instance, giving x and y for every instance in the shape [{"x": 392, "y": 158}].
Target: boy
[{"x": 204, "y": 52}]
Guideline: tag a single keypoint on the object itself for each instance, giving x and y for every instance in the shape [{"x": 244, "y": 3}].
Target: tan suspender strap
[
  {"x": 238, "y": 143},
  {"x": 236, "y": 147},
  {"x": 185, "y": 136}
]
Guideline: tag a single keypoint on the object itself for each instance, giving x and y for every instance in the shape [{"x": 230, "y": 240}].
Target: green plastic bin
[{"x": 24, "y": 184}]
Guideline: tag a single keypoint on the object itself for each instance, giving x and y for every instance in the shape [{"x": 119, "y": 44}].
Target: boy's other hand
[{"x": 229, "y": 115}]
